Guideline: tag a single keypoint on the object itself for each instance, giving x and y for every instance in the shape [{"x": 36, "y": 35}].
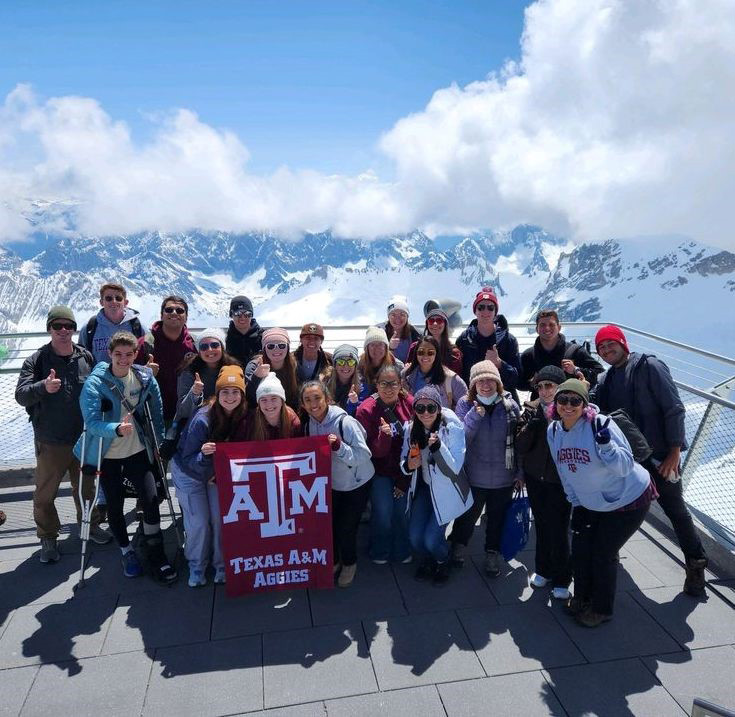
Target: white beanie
[
  {"x": 398, "y": 303},
  {"x": 212, "y": 334},
  {"x": 270, "y": 386},
  {"x": 375, "y": 335}
]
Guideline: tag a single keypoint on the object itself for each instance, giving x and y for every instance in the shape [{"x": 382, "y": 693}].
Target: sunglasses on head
[
  {"x": 485, "y": 307},
  {"x": 116, "y": 297},
  {"x": 345, "y": 362},
  {"x": 243, "y": 314},
  {"x": 211, "y": 345},
  {"x": 430, "y": 408},
  {"x": 388, "y": 384},
  {"x": 273, "y": 347},
  {"x": 573, "y": 401},
  {"x": 435, "y": 320},
  {"x": 174, "y": 310},
  {"x": 426, "y": 352},
  {"x": 59, "y": 326}
]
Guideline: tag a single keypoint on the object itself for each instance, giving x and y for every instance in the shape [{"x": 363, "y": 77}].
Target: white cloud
[{"x": 617, "y": 121}]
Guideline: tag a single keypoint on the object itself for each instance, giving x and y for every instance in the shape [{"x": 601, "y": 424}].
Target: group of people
[{"x": 426, "y": 432}]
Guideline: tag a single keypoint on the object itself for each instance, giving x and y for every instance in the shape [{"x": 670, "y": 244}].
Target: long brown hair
[
  {"x": 405, "y": 331},
  {"x": 195, "y": 363},
  {"x": 370, "y": 372},
  {"x": 224, "y": 426},
  {"x": 260, "y": 429},
  {"x": 445, "y": 345},
  {"x": 287, "y": 376},
  {"x": 330, "y": 379}
]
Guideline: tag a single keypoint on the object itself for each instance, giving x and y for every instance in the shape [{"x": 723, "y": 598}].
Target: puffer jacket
[
  {"x": 532, "y": 446},
  {"x": 457, "y": 387}
]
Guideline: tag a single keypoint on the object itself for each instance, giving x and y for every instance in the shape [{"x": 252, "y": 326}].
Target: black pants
[
  {"x": 551, "y": 511},
  {"x": 347, "y": 509},
  {"x": 495, "y": 501},
  {"x": 138, "y": 470},
  {"x": 596, "y": 539},
  {"x": 671, "y": 500}
]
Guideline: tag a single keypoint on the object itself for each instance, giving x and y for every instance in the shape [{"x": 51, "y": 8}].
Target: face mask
[{"x": 488, "y": 400}]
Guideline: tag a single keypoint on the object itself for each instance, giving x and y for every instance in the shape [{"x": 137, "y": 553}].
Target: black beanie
[
  {"x": 551, "y": 373},
  {"x": 241, "y": 303}
]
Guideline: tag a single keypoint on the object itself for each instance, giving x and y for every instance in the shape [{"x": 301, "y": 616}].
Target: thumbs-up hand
[
  {"x": 152, "y": 365},
  {"x": 263, "y": 370},
  {"x": 125, "y": 427},
  {"x": 480, "y": 410},
  {"x": 394, "y": 341},
  {"x": 51, "y": 383},
  {"x": 385, "y": 427},
  {"x": 493, "y": 355},
  {"x": 352, "y": 396},
  {"x": 198, "y": 388}
]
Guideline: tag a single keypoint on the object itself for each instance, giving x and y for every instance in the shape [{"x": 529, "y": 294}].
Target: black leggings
[
  {"x": 138, "y": 470},
  {"x": 347, "y": 508}
]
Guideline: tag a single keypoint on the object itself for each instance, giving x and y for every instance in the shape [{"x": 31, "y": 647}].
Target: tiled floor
[{"x": 387, "y": 646}]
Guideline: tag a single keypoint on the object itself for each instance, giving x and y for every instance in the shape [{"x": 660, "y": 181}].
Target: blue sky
[{"x": 307, "y": 84}]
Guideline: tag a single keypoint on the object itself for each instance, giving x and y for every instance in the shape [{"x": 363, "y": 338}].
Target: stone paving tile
[
  {"x": 631, "y": 632},
  {"x": 512, "y": 586},
  {"x": 264, "y": 612},
  {"x": 706, "y": 673},
  {"x": 613, "y": 689},
  {"x": 465, "y": 588},
  {"x": 422, "y": 701},
  {"x": 373, "y": 595},
  {"x": 214, "y": 678},
  {"x": 665, "y": 568},
  {"x": 313, "y": 709},
  {"x": 108, "y": 685},
  {"x": 56, "y": 632},
  {"x": 160, "y": 618},
  {"x": 694, "y": 623},
  {"x": 420, "y": 650},
  {"x": 633, "y": 574},
  {"x": 726, "y": 588},
  {"x": 316, "y": 664},
  {"x": 516, "y": 638},
  {"x": 476, "y": 545},
  {"x": 526, "y": 694},
  {"x": 14, "y": 686},
  {"x": 18, "y": 547}
]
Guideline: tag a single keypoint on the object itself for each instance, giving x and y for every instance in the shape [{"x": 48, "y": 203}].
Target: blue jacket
[
  {"x": 103, "y": 425},
  {"x": 189, "y": 458}
]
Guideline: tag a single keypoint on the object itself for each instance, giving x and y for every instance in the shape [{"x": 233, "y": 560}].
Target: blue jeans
[
  {"x": 426, "y": 535},
  {"x": 388, "y": 522}
]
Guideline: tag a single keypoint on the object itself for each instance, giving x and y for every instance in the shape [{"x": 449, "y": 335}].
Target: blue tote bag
[{"x": 516, "y": 525}]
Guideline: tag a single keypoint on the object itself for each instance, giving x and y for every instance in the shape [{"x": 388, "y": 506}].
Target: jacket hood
[
  {"x": 252, "y": 331},
  {"x": 103, "y": 370},
  {"x": 333, "y": 414},
  {"x": 500, "y": 323},
  {"x": 102, "y": 320},
  {"x": 157, "y": 330}
]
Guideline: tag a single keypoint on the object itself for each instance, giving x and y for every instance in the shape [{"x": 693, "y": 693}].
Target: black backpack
[{"x": 639, "y": 446}]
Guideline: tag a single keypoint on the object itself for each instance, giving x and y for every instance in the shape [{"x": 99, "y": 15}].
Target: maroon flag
[{"x": 275, "y": 499}]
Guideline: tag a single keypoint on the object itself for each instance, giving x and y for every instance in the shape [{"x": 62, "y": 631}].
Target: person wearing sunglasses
[
  {"x": 376, "y": 355},
  {"x": 311, "y": 359},
  {"x": 49, "y": 386},
  {"x": 487, "y": 338},
  {"x": 114, "y": 316},
  {"x": 433, "y": 455},
  {"x": 437, "y": 325},
  {"x": 610, "y": 495},
  {"x": 164, "y": 348},
  {"x": 383, "y": 416},
  {"x": 244, "y": 334},
  {"x": 275, "y": 358},
  {"x": 551, "y": 509},
  {"x": 490, "y": 416},
  {"x": 342, "y": 380},
  {"x": 427, "y": 369}
]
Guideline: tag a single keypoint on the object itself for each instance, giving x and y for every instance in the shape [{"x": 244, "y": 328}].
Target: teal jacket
[{"x": 102, "y": 424}]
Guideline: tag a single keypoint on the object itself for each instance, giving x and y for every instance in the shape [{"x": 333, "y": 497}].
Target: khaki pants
[{"x": 52, "y": 463}]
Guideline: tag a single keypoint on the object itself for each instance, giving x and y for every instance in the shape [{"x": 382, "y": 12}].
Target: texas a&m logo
[{"x": 286, "y": 495}]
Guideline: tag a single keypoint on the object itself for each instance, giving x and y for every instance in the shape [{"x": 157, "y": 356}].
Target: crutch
[
  {"x": 162, "y": 472},
  {"x": 87, "y": 505}
]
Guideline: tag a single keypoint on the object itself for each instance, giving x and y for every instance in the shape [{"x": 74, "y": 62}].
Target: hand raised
[
  {"x": 385, "y": 428},
  {"x": 263, "y": 370},
  {"x": 479, "y": 409},
  {"x": 394, "y": 341},
  {"x": 125, "y": 427},
  {"x": 602, "y": 434},
  {"x": 198, "y": 387},
  {"x": 493, "y": 355},
  {"x": 51, "y": 383},
  {"x": 152, "y": 365}
]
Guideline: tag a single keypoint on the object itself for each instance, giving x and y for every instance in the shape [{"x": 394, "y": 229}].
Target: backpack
[
  {"x": 135, "y": 328},
  {"x": 639, "y": 446}
]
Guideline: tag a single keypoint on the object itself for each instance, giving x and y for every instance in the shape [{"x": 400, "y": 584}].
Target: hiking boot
[
  {"x": 131, "y": 565},
  {"x": 441, "y": 574},
  {"x": 576, "y": 605},
  {"x": 347, "y": 575},
  {"x": 158, "y": 564},
  {"x": 98, "y": 535},
  {"x": 197, "y": 579},
  {"x": 539, "y": 581},
  {"x": 220, "y": 575},
  {"x": 590, "y": 618},
  {"x": 457, "y": 555},
  {"x": 695, "y": 580},
  {"x": 49, "y": 551},
  {"x": 425, "y": 570},
  {"x": 491, "y": 564}
]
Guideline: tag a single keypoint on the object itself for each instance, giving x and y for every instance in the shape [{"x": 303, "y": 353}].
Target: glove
[
  {"x": 167, "y": 448},
  {"x": 602, "y": 434}
]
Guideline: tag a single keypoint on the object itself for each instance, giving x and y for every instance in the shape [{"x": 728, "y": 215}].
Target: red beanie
[
  {"x": 611, "y": 333},
  {"x": 486, "y": 294}
]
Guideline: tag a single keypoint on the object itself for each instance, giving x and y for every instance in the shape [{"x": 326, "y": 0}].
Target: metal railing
[{"x": 706, "y": 382}]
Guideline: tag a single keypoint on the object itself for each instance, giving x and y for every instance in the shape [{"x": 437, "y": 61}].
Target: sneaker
[
  {"x": 695, "y": 580},
  {"x": 492, "y": 563},
  {"x": 347, "y": 575},
  {"x": 337, "y": 567},
  {"x": 457, "y": 554},
  {"x": 560, "y": 594},
  {"x": 197, "y": 579},
  {"x": 220, "y": 576},
  {"x": 378, "y": 561},
  {"x": 590, "y": 618},
  {"x": 131, "y": 565},
  {"x": 49, "y": 551},
  {"x": 158, "y": 563},
  {"x": 539, "y": 581},
  {"x": 425, "y": 570},
  {"x": 98, "y": 535},
  {"x": 441, "y": 574},
  {"x": 407, "y": 559}
]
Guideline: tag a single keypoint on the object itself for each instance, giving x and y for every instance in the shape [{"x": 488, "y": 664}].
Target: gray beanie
[
  {"x": 428, "y": 392},
  {"x": 375, "y": 335},
  {"x": 212, "y": 334},
  {"x": 345, "y": 351}
]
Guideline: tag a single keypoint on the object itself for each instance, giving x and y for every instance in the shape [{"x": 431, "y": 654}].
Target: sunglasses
[
  {"x": 174, "y": 310},
  {"x": 430, "y": 408},
  {"x": 211, "y": 345},
  {"x": 116, "y": 297},
  {"x": 485, "y": 307},
  {"x": 388, "y": 384},
  {"x": 435, "y": 320},
  {"x": 574, "y": 401},
  {"x": 345, "y": 362},
  {"x": 243, "y": 314},
  {"x": 58, "y": 326},
  {"x": 426, "y": 352},
  {"x": 273, "y": 347},
  {"x": 545, "y": 385}
]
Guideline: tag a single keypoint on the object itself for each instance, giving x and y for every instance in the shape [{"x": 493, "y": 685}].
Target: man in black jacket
[
  {"x": 48, "y": 387},
  {"x": 642, "y": 385},
  {"x": 552, "y": 349},
  {"x": 243, "y": 334}
]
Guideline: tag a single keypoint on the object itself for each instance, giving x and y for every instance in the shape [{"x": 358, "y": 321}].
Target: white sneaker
[
  {"x": 197, "y": 579},
  {"x": 561, "y": 594},
  {"x": 407, "y": 560},
  {"x": 220, "y": 576},
  {"x": 378, "y": 561},
  {"x": 538, "y": 581}
]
